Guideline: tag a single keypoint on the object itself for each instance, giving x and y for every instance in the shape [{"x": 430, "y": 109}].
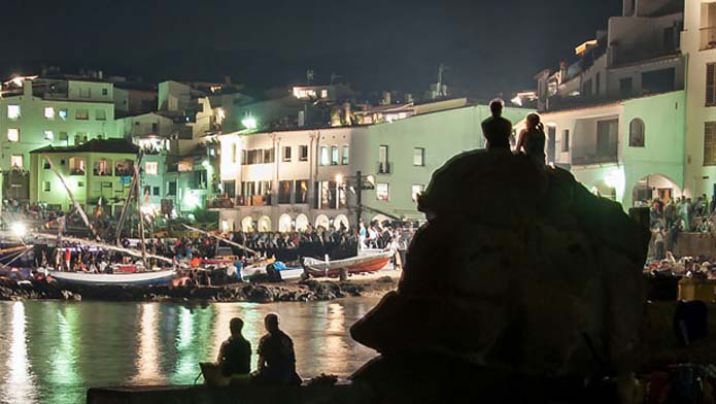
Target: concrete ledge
[{"x": 250, "y": 394}]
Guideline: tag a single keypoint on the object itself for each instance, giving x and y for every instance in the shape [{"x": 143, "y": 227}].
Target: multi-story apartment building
[
  {"x": 698, "y": 43},
  {"x": 287, "y": 180},
  {"x": 37, "y": 112},
  {"x": 292, "y": 179},
  {"x": 616, "y": 117},
  {"x": 96, "y": 172}
]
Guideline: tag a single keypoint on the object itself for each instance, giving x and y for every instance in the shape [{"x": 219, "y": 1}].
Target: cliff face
[{"x": 520, "y": 269}]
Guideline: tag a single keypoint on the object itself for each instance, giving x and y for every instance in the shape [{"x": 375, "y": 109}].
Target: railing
[
  {"x": 221, "y": 203},
  {"x": 594, "y": 159},
  {"x": 384, "y": 167},
  {"x": 256, "y": 200},
  {"x": 708, "y": 38}
]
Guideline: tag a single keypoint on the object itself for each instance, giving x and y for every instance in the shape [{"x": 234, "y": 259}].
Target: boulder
[{"x": 519, "y": 268}]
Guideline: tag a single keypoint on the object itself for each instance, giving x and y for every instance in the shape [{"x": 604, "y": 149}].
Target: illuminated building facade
[{"x": 93, "y": 171}]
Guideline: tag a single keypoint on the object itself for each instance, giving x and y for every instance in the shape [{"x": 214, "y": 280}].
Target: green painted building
[{"x": 99, "y": 170}]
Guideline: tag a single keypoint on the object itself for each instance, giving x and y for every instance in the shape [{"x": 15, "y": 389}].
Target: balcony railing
[
  {"x": 256, "y": 200},
  {"x": 587, "y": 159},
  {"x": 708, "y": 38},
  {"x": 384, "y": 167},
  {"x": 222, "y": 203}
]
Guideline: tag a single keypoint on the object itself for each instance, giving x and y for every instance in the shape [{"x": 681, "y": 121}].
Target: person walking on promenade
[{"x": 496, "y": 129}]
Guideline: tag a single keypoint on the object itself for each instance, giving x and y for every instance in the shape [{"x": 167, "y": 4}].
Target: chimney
[{"x": 27, "y": 88}]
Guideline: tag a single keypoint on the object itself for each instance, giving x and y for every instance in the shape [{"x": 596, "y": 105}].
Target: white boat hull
[{"x": 131, "y": 279}]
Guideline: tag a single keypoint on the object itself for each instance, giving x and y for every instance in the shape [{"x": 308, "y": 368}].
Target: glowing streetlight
[
  {"x": 249, "y": 122},
  {"x": 19, "y": 229}
]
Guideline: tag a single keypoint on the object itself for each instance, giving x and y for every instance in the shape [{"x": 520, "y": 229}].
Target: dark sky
[{"x": 489, "y": 46}]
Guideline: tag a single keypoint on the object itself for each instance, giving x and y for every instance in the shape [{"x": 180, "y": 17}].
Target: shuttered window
[
  {"x": 710, "y": 143},
  {"x": 711, "y": 84}
]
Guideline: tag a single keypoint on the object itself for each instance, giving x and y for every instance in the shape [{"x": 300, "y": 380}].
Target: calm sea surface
[{"x": 51, "y": 352}]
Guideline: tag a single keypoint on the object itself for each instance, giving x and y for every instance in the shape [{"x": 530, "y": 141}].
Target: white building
[
  {"x": 698, "y": 42},
  {"x": 291, "y": 179},
  {"x": 287, "y": 180},
  {"x": 630, "y": 151}
]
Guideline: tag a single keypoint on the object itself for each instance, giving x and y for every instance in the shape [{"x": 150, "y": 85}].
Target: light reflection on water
[{"x": 54, "y": 351}]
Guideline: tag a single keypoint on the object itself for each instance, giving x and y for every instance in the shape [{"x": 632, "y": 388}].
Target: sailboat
[{"x": 121, "y": 276}]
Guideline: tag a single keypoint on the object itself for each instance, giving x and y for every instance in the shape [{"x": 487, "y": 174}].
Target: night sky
[{"x": 489, "y": 46}]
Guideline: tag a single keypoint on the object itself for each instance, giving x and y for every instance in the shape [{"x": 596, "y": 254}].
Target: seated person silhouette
[
  {"x": 496, "y": 129},
  {"x": 234, "y": 361},
  {"x": 277, "y": 360}
]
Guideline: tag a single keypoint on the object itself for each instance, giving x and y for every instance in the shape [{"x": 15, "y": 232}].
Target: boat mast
[
  {"x": 229, "y": 242},
  {"x": 72, "y": 198},
  {"x": 125, "y": 207},
  {"x": 140, "y": 214}
]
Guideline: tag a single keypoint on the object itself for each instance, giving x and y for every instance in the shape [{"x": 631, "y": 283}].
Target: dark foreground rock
[
  {"x": 520, "y": 271},
  {"x": 311, "y": 290}
]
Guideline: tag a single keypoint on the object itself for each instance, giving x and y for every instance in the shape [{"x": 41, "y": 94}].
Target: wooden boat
[
  {"x": 363, "y": 263},
  {"x": 287, "y": 274},
  {"x": 122, "y": 279}
]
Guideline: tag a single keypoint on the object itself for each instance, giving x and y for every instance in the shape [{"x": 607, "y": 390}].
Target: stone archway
[
  {"x": 654, "y": 186},
  {"x": 285, "y": 223},
  {"x": 301, "y": 222},
  {"x": 264, "y": 224},
  {"x": 341, "y": 219},
  {"x": 247, "y": 224},
  {"x": 322, "y": 221}
]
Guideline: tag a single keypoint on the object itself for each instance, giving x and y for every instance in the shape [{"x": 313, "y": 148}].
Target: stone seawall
[{"x": 306, "y": 291}]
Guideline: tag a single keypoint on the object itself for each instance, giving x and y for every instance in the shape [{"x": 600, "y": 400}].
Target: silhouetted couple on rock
[
  {"x": 277, "y": 360},
  {"x": 497, "y": 131}
]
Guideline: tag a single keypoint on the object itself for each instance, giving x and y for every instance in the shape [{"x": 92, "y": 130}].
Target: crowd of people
[{"x": 671, "y": 217}]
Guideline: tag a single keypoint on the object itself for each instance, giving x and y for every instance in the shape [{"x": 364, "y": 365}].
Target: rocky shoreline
[{"x": 305, "y": 291}]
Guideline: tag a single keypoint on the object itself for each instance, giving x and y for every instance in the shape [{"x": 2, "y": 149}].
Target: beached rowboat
[
  {"x": 121, "y": 279},
  {"x": 371, "y": 262}
]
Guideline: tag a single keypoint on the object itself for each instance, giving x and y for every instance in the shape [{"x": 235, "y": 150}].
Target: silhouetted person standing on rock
[
  {"x": 277, "y": 360},
  {"x": 496, "y": 129}
]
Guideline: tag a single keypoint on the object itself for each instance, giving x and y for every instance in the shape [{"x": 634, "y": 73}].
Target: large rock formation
[{"x": 519, "y": 270}]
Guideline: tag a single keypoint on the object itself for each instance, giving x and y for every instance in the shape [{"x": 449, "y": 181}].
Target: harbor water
[{"x": 52, "y": 352}]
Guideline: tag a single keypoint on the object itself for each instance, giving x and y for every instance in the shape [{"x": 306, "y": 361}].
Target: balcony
[
  {"x": 708, "y": 38},
  {"x": 255, "y": 200},
  {"x": 596, "y": 158},
  {"x": 222, "y": 203},
  {"x": 384, "y": 167}
]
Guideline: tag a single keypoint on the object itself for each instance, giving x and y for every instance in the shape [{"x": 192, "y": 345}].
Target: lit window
[
  {"x": 82, "y": 115},
  {"x": 49, "y": 113},
  {"x": 345, "y": 158},
  {"x": 16, "y": 161},
  {"x": 325, "y": 158},
  {"x": 419, "y": 156},
  {"x": 334, "y": 155},
  {"x": 324, "y": 93},
  {"x": 49, "y": 135},
  {"x": 636, "y": 133},
  {"x": 381, "y": 192},
  {"x": 13, "y": 135},
  {"x": 13, "y": 111},
  {"x": 151, "y": 168},
  {"x": 417, "y": 190},
  {"x": 77, "y": 166},
  {"x": 100, "y": 115},
  {"x": 103, "y": 168},
  {"x": 63, "y": 114}
]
